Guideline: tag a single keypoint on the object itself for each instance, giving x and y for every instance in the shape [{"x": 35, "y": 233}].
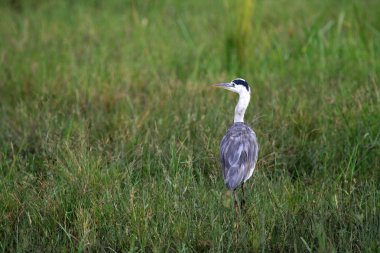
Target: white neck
[{"x": 241, "y": 106}]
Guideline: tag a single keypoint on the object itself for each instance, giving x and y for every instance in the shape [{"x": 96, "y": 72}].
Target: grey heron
[{"x": 239, "y": 147}]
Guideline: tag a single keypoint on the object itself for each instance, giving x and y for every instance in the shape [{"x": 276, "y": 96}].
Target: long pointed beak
[{"x": 223, "y": 85}]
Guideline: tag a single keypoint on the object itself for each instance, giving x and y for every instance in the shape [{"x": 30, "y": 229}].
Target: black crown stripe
[{"x": 241, "y": 82}]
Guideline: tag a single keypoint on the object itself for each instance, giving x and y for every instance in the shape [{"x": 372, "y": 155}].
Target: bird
[{"x": 239, "y": 147}]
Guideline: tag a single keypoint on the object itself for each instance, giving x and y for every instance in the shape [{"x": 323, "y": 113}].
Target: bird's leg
[
  {"x": 236, "y": 204},
  {"x": 235, "y": 201},
  {"x": 242, "y": 204}
]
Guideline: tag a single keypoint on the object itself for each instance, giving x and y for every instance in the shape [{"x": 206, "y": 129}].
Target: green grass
[{"x": 109, "y": 130}]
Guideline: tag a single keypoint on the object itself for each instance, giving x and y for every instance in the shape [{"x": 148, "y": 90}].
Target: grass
[{"x": 109, "y": 131}]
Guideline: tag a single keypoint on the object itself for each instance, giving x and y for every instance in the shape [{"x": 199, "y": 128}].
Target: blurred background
[{"x": 109, "y": 130}]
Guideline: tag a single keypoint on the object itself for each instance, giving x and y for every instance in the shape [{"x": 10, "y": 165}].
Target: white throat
[{"x": 241, "y": 106}]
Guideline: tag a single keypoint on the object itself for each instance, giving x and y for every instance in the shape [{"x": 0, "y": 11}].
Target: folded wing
[{"x": 238, "y": 154}]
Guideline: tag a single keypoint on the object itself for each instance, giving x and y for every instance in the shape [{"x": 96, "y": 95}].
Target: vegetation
[{"x": 109, "y": 130}]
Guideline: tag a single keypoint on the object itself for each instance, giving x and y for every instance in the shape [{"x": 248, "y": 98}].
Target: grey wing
[{"x": 238, "y": 156}]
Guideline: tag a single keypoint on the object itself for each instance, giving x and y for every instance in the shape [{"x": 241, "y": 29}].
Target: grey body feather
[{"x": 238, "y": 154}]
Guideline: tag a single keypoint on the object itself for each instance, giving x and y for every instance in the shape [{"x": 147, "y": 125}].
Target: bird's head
[{"x": 238, "y": 85}]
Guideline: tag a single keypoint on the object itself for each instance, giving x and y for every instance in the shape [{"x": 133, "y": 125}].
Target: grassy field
[{"x": 110, "y": 132}]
